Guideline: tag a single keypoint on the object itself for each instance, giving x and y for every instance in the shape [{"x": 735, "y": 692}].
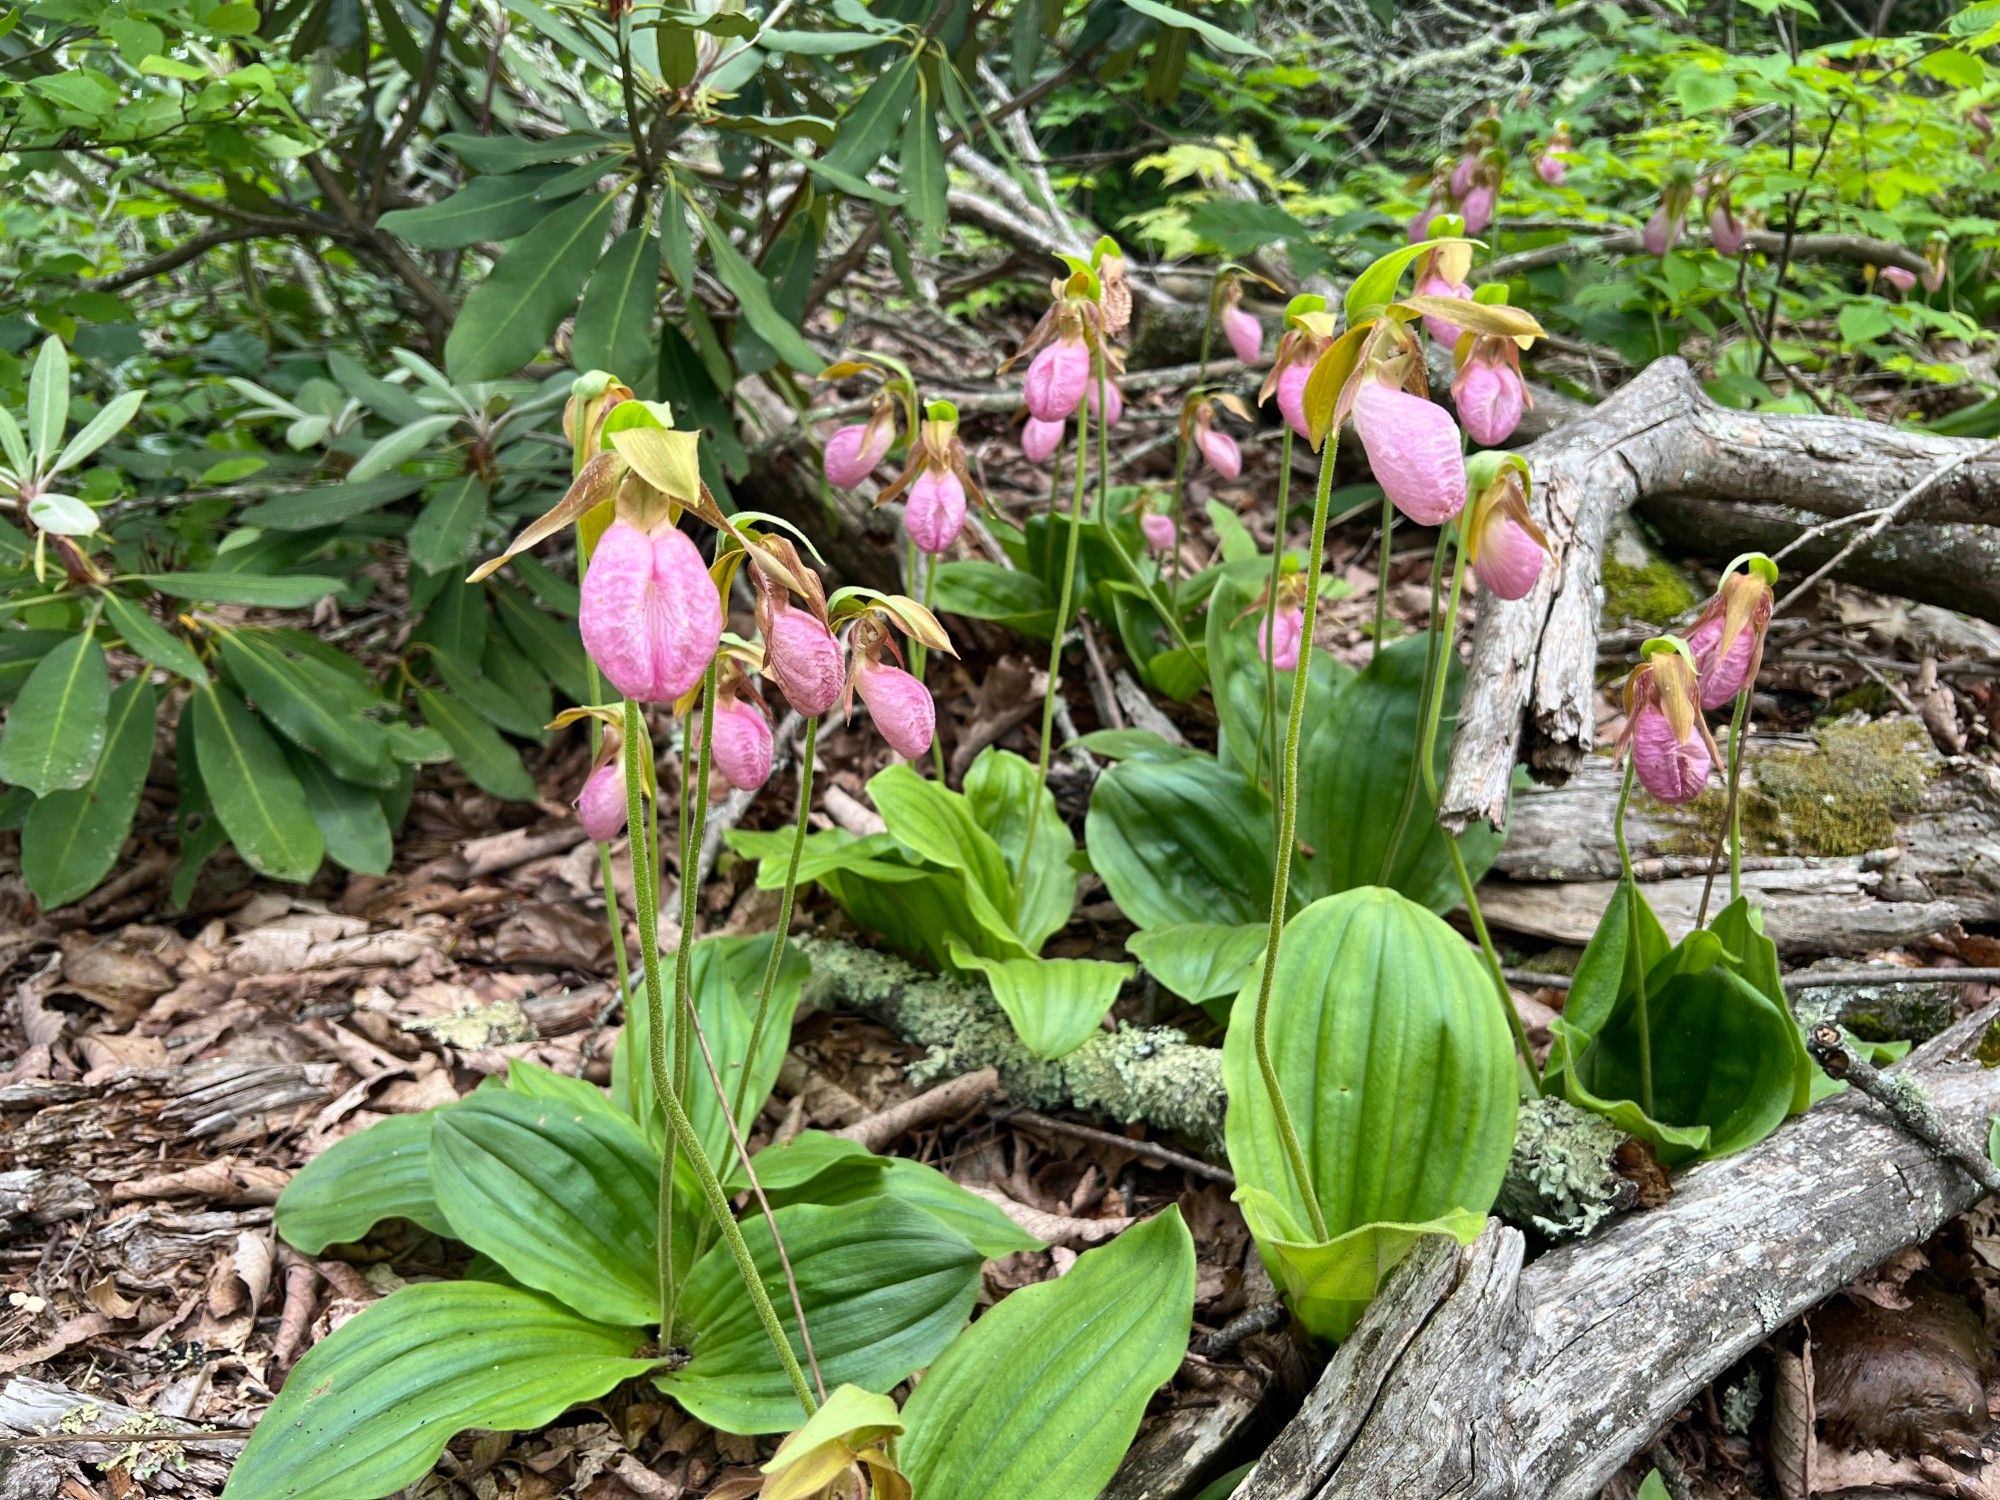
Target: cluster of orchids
[{"x": 1467, "y": 187}]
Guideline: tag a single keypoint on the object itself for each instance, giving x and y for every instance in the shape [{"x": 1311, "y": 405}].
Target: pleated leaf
[{"x": 383, "y": 1172}]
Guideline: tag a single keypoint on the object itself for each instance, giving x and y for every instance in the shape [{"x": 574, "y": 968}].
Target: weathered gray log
[
  {"x": 1660, "y": 435},
  {"x": 1915, "y": 841},
  {"x": 1473, "y": 1377}
]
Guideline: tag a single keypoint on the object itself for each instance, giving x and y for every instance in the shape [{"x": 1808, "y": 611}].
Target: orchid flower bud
[
  {"x": 1672, "y": 753},
  {"x": 935, "y": 511},
  {"x": 802, "y": 658},
  {"x": 899, "y": 704},
  {"x": 1899, "y": 278},
  {"x": 1725, "y": 231},
  {"x": 1937, "y": 258},
  {"x": 1489, "y": 393},
  {"x": 1420, "y": 226},
  {"x": 1413, "y": 449},
  {"x": 1292, "y": 398},
  {"x": 1218, "y": 448},
  {"x": 1114, "y": 401},
  {"x": 1476, "y": 207},
  {"x": 1057, "y": 379},
  {"x": 1159, "y": 532},
  {"x": 1244, "y": 332},
  {"x": 1279, "y": 642},
  {"x": 1663, "y": 230},
  {"x": 651, "y": 617},
  {"x": 1039, "y": 439},
  {"x": 741, "y": 744},
  {"x": 1660, "y": 234},
  {"x": 853, "y": 451},
  {"x": 1551, "y": 168},
  {"x": 1502, "y": 542},
  {"x": 600, "y": 806},
  {"x": 1727, "y": 640},
  {"x": 1462, "y": 174}
]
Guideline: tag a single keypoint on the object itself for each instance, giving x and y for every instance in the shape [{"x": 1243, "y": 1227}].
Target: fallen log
[
  {"x": 1531, "y": 689},
  {"x": 1858, "y": 838},
  {"x": 1473, "y": 1376}
]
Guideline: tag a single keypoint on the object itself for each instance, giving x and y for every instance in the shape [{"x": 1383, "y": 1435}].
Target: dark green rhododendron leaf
[
  {"x": 1041, "y": 1398},
  {"x": 71, "y": 839},
  {"x": 1395, "y": 1059}
]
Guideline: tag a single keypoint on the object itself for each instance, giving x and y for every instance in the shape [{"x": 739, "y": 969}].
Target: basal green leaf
[
  {"x": 1054, "y": 1003},
  {"x": 1201, "y": 960},
  {"x": 1000, "y": 787},
  {"x": 1179, "y": 841},
  {"x": 382, "y": 1172}
]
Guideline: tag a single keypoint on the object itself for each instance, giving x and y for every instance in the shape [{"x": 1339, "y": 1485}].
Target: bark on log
[
  {"x": 1474, "y": 1377},
  {"x": 1934, "y": 828},
  {"x": 1660, "y": 435}
]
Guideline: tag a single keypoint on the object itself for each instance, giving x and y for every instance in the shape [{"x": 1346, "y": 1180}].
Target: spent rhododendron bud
[
  {"x": 1279, "y": 643},
  {"x": 853, "y": 451},
  {"x": 1727, "y": 640},
  {"x": 1488, "y": 391},
  {"x": 1413, "y": 449},
  {"x": 935, "y": 511},
  {"x": 1057, "y": 379},
  {"x": 742, "y": 743},
  {"x": 900, "y": 705},
  {"x": 1114, "y": 402},
  {"x": 1672, "y": 753},
  {"x": 600, "y": 806},
  {"x": 1039, "y": 439},
  {"x": 651, "y": 617},
  {"x": 801, "y": 657},
  {"x": 1502, "y": 542},
  {"x": 1159, "y": 532},
  {"x": 1898, "y": 278}
]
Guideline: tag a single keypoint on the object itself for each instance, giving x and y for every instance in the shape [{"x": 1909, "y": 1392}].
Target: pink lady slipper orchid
[
  {"x": 1218, "y": 448},
  {"x": 1727, "y": 640},
  {"x": 1279, "y": 642},
  {"x": 1726, "y": 232},
  {"x": 600, "y": 806},
  {"x": 1159, "y": 532},
  {"x": 1057, "y": 379},
  {"x": 1901, "y": 280},
  {"x": 1244, "y": 332},
  {"x": 1549, "y": 165},
  {"x": 651, "y": 617},
  {"x": 900, "y": 705},
  {"x": 1506, "y": 548},
  {"x": 1476, "y": 207},
  {"x": 1937, "y": 258},
  {"x": 801, "y": 655},
  {"x": 1672, "y": 751},
  {"x": 1299, "y": 350},
  {"x": 1663, "y": 229},
  {"x": 1441, "y": 273},
  {"x": 1114, "y": 402},
  {"x": 742, "y": 744},
  {"x": 936, "y": 482},
  {"x": 1413, "y": 448},
  {"x": 1039, "y": 439},
  {"x": 854, "y": 451},
  {"x": 1463, "y": 173},
  {"x": 1488, "y": 392}
]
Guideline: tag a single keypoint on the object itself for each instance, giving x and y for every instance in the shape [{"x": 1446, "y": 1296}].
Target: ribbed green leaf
[
  {"x": 383, "y": 1172},
  {"x": 885, "y": 1288},
  {"x": 491, "y": 208},
  {"x": 614, "y": 326},
  {"x": 508, "y": 317},
  {"x": 258, "y": 799},
  {"x": 55, "y": 730},
  {"x": 1396, "y": 1062},
  {"x": 1200, "y": 960},
  {"x": 1040, "y": 1400},
  {"x": 1054, "y": 1003},
  {"x": 1000, "y": 787},
  {"x": 369, "y": 1409},
  {"x": 1179, "y": 841},
  {"x": 564, "y": 1198},
  {"x": 71, "y": 839},
  {"x": 826, "y": 1169}
]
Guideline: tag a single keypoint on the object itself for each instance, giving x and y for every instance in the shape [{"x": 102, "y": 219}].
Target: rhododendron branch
[
  {"x": 1637, "y": 965},
  {"x": 1281, "y": 878},
  {"x": 785, "y": 898}
]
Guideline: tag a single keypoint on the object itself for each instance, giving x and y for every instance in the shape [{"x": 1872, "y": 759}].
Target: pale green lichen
[
  {"x": 1149, "y": 1073},
  {"x": 1740, "y": 1403},
  {"x": 1560, "y": 1179},
  {"x": 1911, "y": 1103}
]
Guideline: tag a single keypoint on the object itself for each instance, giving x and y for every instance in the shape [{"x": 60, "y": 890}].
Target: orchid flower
[
  {"x": 741, "y": 742},
  {"x": 600, "y": 806},
  {"x": 853, "y": 451},
  {"x": 1506, "y": 548},
  {"x": 1672, "y": 751},
  {"x": 651, "y": 617},
  {"x": 1488, "y": 392},
  {"x": 1727, "y": 639}
]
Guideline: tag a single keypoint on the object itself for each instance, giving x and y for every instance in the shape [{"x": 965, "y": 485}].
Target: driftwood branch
[
  {"x": 1475, "y": 1377},
  {"x": 1659, "y": 438}
]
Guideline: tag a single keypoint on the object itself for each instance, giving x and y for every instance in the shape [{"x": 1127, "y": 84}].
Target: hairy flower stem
[
  {"x": 1162, "y": 599},
  {"x": 1269, "y": 736},
  {"x": 1436, "y": 670},
  {"x": 919, "y": 655},
  {"x": 621, "y": 968},
  {"x": 1281, "y": 877},
  {"x": 1181, "y": 458},
  {"x": 1638, "y": 968},
  {"x": 1732, "y": 818},
  {"x": 695, "y": 787},
  {"x": 680, "y": 1129},
  {"x": 1382, "y": 579},
  {"x": 778, "y": 939},
  {"x": 1063, "y": 600}
]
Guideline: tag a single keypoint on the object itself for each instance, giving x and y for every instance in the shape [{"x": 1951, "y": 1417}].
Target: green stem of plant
[
  {"x": 646, "y": 902},
  {"x": 1269, "y": 735},
  {"x": 1281, "y": 877},
  {"x": 1161, "y": 596},
  {"x": 1063, "y": 599},
  {"x": 699, "y": 769},
  {"x": 1382, "y": 578},
  {"x": 1181, "y": 462},
  {"x": 772, "y": 964},
  {"x": 919, "y": 655},
  {"x": 1427, "y": 762},
  {"x": 1434, "y": 673},
  {"x": 1631, "y": 889},
  {"x": 621, "y": 967}
]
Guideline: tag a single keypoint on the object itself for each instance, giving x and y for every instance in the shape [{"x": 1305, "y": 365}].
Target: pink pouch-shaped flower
[
  {"x": 1159, "y": 531},
  {"x": 1725, "y": 230},
  {"x": 1509, "y": 559},
  {"x": 1039, "y": 439},
  {"x": 1672, "y": 769},
  {"x": 600, "y": 806},
  {"x": 1292, "y": 396},
  {"x": 1220, "y": 449},
  {"x": 1551, "y": 169},
  {"x": 1477, "y": 208},
  {"x": 803, "y": 658},
  {"x": 1441, "y": 329},
  {"x": 742, "y": 743},
  {"x": 1114, "y": 399},
  {"x": 1245, "y": 334},
  {"x": 651, "y": 617},
  {"x": 1413, "y": 449},
  {"x": 1057, "y": 379},
  {"x": 899, "y": 704},
  {"x": 1661, "y": 233},
  {"x": 1280, "y": 644},
  {"x": 935, "y": 510},
  {"x": 1898, "y": 278},
  {"x": 1461, "y": 175},
  {"x": 1490, "y": 399},
  {"x": 853, "y": 451}
]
